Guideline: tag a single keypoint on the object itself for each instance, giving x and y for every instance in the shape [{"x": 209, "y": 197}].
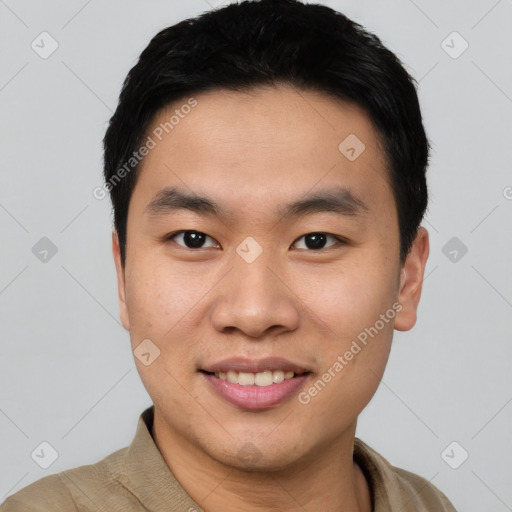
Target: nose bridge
[
  {"x": 253, "y": 298},
  {"x": 253, "y": 288},
  {"x": 253, "y": 280}
]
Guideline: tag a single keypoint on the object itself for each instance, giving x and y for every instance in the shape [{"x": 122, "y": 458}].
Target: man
[{"x": 266, "y": 164}]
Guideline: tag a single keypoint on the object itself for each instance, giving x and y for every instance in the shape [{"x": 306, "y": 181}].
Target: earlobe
[
  {"x": 411, "y": 280},
  {"x": 121, "y": 284}
]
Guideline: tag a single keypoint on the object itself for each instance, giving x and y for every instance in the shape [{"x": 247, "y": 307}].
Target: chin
[
  {"x": 257, "y": 454},
  {"x": 249, "y": 460}
]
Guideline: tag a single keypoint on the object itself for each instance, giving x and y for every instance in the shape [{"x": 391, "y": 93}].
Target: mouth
[
  {"x": 255, "y": 385},
  {"x": 261, "y": 379}
]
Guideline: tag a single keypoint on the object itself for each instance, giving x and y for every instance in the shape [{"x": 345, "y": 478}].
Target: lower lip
[{"x": 256, "y": 397}]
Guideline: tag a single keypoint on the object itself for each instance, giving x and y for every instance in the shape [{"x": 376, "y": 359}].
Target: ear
[
  {"x": 411, "y": 280},
  {"x": 121, "y": 286}
]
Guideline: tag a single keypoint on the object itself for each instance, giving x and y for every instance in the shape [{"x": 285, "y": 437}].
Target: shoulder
[
  {"x": 395, "y": 488},
  {"x": 421, "y": 494},
  {"x": 48, "y": 493},
  {"x": 80, "y": 488}
]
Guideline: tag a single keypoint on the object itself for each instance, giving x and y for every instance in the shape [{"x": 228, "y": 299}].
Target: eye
[
  {"x": 316, "y": 241},
  {"x": 192, "y": 239},
  {"x": 196, "y": 240}
]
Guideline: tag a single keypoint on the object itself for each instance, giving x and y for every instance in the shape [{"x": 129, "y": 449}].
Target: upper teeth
[{"x": 265, "y": 378}]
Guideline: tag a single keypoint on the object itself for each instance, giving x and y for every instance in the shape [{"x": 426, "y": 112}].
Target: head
[{"x": 266, "y": 165}]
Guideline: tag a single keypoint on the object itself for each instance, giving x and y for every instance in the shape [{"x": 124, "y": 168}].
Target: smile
[
  {"x": 255, "y": 390},
  {"x": 262, "y": 379}
]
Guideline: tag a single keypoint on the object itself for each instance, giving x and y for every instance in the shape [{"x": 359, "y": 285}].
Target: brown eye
[
  {"x": 192, "y": 239},
  {"x": 316, "y": 241}
]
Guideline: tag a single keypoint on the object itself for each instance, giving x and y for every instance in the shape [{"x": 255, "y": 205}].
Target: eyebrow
[{"x": 339, "y": 200}]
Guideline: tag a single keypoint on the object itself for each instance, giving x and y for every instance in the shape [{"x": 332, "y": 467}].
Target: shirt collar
[
  {"x": 155, "y": 486},
  {"x": 150, "y": 479}
]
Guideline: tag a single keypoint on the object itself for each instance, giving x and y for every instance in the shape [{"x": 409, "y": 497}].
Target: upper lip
[{"x": 242, "y": 364}]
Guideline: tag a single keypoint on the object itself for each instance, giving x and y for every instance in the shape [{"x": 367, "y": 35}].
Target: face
[{"x": 260, "y": 242}]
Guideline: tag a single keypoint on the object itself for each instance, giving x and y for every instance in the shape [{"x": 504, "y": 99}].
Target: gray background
[{"x": 67, "y": 372}]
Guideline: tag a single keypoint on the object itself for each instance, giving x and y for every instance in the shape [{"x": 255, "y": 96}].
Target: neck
[{"x": 327, "y": 481}]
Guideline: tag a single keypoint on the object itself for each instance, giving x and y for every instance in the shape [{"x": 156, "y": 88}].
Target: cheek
[
  {"x": 159, "y": 297},
  {"x": 355, "y": 351},
  {"x": 161, "y": 300},
  {"x": 358, "y": 304},
  {"x": 352, "y": 298}
]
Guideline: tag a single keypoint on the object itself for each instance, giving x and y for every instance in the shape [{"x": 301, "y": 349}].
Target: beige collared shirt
[{"x": 136, "y": 478}]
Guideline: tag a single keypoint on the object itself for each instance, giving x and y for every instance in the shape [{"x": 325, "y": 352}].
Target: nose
[{"x": 256, "y": 300}]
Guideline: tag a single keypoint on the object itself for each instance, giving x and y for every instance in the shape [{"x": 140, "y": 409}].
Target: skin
[{"x": 272, "y": 145}]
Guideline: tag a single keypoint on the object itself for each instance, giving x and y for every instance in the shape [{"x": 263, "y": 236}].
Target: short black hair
[{"x": 267, "y": 42}]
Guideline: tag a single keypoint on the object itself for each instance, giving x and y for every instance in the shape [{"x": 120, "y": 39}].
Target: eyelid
[
  {"x": 170, "y": 236},
  {"x": 340, "y": 240}
]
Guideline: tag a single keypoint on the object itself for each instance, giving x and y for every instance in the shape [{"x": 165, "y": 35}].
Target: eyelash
[{"x": 340, "y": 240}]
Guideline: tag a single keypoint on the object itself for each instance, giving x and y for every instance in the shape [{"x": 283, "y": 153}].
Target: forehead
[{"x": 264, "y": 145}]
